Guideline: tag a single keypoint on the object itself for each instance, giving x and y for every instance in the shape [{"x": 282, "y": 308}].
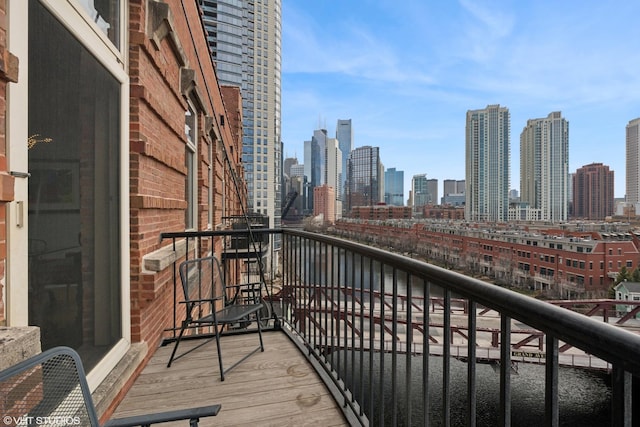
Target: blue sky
[{"x": 407, "y": 72}]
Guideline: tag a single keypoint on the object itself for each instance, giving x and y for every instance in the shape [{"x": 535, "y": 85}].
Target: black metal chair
[
  {"x": 51, "y": 389},
  {"x": 210, "y": 303}
]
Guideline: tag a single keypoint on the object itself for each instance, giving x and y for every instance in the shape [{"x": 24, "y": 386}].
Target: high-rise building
[
  {"x": 245, "y": 40},
  {"x": 288, "y": 163},
  {"x": 449, "y": 186},
  {"x": 487, "y": 169},
  {"x": 315, "y": 151},
  {"x": 324, "y": 203},
  {"x": 363, "y": 177},
  {"x": 593, "y": 192},
  {"x": 344, "y": 134},
  {"x": 333, "y": 173},
  {"x": 432, "y": 188},
  {"x": 381, "y": 190},
  {"x": 296, "y": 170},
  {"x": 420, "y": 191},
  {"x": 633, "y": 162},
  {"x": 394, "y": 187},
  {"x": 544, "y": 166},
  {"x": 452, "y": 186},
  {"x": 453, "y": 193}
]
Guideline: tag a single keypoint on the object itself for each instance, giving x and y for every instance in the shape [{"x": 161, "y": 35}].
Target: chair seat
[
  {"x": 229, "y": 314},
  {"x": 234, "y": 313}
]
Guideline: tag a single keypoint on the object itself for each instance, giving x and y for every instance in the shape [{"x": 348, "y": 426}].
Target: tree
[{"x": 623, "y": 275}]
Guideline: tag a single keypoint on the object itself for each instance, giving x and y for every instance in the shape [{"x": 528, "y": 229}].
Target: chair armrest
[
  {"x": 199, "y": 300},
  {"x": 163, "y": 417}
]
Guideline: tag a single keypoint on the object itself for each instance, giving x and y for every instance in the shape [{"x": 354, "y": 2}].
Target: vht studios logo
[{"x": 40, "y": 421}]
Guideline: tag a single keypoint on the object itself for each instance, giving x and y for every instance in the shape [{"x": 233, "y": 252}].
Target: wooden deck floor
[{"x": 275, "y": 388}]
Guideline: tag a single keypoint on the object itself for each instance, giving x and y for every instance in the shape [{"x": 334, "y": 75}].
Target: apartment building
[
  {"x": 487, "y": 163},
  {"x": 561, "y": 263}
]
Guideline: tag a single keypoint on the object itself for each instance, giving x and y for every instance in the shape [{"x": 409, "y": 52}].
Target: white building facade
[
  {"x": 633, "y": 163},
  {"x": 333, "y": 173}
]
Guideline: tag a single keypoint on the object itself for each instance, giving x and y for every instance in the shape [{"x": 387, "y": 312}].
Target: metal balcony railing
[{"x": 403, "y": 342}]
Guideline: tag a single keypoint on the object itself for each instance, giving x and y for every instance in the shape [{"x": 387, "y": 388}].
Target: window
[
  {"x": 190, "y": 190},
  {"x": 210, "y": 218},
  {"x": 105, "y": 14},
  {"x": 74, "y": 100}
]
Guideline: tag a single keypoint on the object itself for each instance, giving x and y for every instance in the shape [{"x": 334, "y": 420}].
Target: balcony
[{"x": 389, "y": 337}]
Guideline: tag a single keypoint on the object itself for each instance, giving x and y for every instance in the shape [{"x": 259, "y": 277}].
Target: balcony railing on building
[{"x": 402, "y": 342}]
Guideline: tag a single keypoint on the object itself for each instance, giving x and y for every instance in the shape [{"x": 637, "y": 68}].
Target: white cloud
[{"x": 346, "y": 48}]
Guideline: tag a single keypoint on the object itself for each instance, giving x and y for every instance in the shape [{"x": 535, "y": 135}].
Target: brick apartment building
[
  {"x": 381, "y": 212},
  {"x": 443, "y": 212},
  {"x": 564, "y": 264},
  {"x": 114, "y": 129},
  {"x": 324, "y": 203}
]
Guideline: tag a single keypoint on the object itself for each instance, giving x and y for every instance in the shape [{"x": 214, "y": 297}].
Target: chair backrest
[
  {"x": 47, "y": 389},
  {"x": 201, "y": 278}
]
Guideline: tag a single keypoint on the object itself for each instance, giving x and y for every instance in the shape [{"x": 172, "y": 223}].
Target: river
[{"x": 584, "y": 395}]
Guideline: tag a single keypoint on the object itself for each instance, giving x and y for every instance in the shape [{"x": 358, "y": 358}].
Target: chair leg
[
  {"x": 259, "y": 330},
  {"x": 175, "y": 347},
  {"x": 217, "y": 332}
]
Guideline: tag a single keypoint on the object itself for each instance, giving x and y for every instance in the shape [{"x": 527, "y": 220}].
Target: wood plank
[{"x": 274, "y": 387}]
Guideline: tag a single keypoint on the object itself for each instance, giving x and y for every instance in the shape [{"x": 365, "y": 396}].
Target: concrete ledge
[
  {"x": 164, "y": 257},
  {"x": 17, "y": 344},
  {"x": 113, "y": 386}
]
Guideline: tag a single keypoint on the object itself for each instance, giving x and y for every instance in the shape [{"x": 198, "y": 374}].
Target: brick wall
[{"x": 169, "y": 61}]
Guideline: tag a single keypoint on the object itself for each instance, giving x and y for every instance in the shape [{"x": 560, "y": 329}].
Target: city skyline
[{"x": 406, "y": 77}]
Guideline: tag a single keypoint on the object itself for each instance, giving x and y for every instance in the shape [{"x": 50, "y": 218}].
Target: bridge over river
[{"x": 360, "y": 318}]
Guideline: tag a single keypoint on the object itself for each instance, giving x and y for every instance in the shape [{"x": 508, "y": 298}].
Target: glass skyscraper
[
  {"x": 420, "y": 191},
  {"x": 394, "y": 187},
  {"x": 364, "y": 179},
  {"x": 344, "y": 135}
]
